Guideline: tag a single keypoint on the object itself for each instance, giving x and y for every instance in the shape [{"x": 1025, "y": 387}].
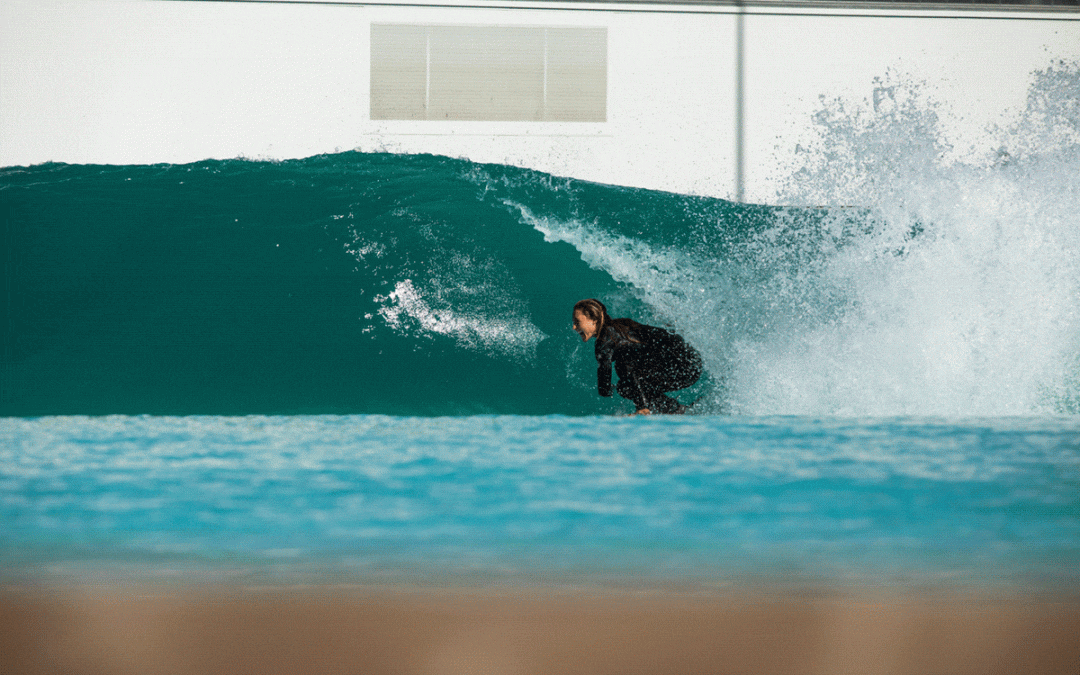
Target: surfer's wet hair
[{"x": 596, "y": 311}]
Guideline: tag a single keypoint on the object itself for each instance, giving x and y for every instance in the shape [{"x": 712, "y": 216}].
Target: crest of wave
[{"x": 935, "y": 284}]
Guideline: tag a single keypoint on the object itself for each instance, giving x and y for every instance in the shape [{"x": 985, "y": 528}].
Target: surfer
[{"x": 649, "y": 361}]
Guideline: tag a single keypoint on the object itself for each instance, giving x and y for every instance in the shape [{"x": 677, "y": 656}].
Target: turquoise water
[
  {"x": 704, "y": 501},
  {"x": 360, "y": 366}
]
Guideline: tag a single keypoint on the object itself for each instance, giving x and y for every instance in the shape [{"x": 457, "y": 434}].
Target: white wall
[{"x": 145, "y": 81}]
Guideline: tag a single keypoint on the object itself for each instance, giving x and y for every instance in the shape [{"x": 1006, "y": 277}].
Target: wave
[{"x": 425, "y": 285}]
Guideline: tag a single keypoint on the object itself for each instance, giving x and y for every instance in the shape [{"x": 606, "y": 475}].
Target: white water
[
  {"x": 934, "y": 282},
  {"x": 513, "y": 338}
]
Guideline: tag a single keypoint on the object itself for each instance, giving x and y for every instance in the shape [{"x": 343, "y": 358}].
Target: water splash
[
  {"x": 961, "y": 294},
  {"x": 406, "y": 308},
  {"x": 444, "y": 288},
  {"x": 907, "y": 279}
]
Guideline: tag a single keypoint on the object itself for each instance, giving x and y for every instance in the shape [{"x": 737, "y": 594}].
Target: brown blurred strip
[{"x": 375, "y": 632}]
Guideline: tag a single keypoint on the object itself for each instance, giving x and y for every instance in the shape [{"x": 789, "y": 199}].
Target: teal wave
[
  {"x": 346, "y": 283},
  {"x": 423, "y": 285}
]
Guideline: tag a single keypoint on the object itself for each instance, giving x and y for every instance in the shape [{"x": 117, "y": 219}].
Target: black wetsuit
[{"x": 649, "y": 362}]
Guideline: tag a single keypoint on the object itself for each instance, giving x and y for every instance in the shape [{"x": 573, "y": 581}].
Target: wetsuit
[{"x": 649, "y": 362}]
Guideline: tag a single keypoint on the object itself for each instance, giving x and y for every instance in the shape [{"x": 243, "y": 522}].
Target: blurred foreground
[{"x": 147, "y": 631}]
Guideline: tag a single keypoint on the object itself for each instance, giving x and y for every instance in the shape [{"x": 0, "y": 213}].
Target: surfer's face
[{"x": 584, "y": 326}]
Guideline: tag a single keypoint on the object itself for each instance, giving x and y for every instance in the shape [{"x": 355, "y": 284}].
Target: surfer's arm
[
  {"x": 603, "y": 379},
  {"x": 603, "y": 369}
]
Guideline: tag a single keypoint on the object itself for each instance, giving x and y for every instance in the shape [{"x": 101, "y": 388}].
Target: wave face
[
  {"x": 369, "y": 283},
  {"x": 422, "y": 285}
]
